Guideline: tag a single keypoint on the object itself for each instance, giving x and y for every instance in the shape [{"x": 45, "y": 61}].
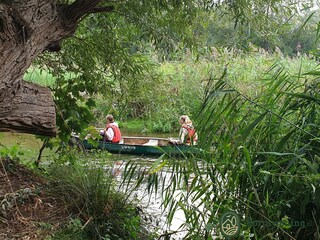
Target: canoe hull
[{"x": 136, "y": 149}]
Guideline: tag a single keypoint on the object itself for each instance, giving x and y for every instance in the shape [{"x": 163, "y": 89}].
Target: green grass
[
  {"x": 262, "y": 159},
  {"x": 102, "y": 210},
  {"x": 134, "y": 125},
  {"x": 39, "y": 76}
]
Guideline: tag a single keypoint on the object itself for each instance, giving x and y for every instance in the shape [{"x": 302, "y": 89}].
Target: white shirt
[
  {"x": 110, "y": 132},
  {"x": 183, "y": 135}
]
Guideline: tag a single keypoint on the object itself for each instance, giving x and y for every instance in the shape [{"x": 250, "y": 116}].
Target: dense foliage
[
  {"x": 266, "y": 154},
  {"x": 293, "y": 32},
  {"x": 98, "y": 209},
  {"x": 252, "y": 92},
  {"x": 262, "y": 161},
  {"x": 115, "y": 57}
]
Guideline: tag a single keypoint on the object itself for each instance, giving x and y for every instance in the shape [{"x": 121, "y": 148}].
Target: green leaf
[
  {"x": 253, "y": 124},
  {"x": 249, "y": 160}
]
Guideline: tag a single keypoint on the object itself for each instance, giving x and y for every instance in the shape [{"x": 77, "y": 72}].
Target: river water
[
  {"x": 151, "y": 205},
  {"x": 155, "y": 217}
]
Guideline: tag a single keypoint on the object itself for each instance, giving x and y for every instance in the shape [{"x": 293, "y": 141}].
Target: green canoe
[{"x": 141, "y": 146}]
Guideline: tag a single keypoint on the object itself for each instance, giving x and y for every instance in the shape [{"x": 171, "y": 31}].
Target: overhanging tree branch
[
  {"x": 75, "y": 11},
  {"x": 102, "y": 9},
  {"x": 27, "y": 28}
]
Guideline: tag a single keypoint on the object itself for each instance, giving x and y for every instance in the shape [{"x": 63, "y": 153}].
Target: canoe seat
[{"x": 151, "y": 142}]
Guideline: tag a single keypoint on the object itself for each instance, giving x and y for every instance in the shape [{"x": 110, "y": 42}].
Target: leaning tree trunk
[{"x": 28, "y": 28}]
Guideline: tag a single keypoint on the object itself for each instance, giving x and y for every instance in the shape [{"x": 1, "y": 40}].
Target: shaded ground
[{"x": 27, "y": 211}]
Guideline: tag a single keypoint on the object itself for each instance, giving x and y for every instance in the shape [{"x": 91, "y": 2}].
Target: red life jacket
[
  {"x": 116, "y": 131},
  {"x": 191, "y": 134}
]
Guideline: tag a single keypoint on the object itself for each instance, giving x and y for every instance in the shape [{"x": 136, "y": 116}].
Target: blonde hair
[{"x": 185, "y": 119}]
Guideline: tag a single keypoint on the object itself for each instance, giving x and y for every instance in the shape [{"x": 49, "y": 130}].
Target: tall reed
[
  {"x": 92, "y": 197},
  {"x": 261, "y": 160}
]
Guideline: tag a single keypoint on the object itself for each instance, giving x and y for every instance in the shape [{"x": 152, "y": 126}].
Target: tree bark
[
  {"x": 27, "y": 28},
  {"x": 29, "y": 109}
]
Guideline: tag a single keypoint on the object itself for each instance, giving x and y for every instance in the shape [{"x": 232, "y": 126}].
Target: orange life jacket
[
  {"x": 191, "y": 134},
  {"x": 116, "y": 131}
]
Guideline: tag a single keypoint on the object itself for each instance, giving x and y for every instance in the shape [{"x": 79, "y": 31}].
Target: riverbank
[
  {"x": 66, "y": 203},
  {"x": 28, "y": 210},
  {"x": 26, "y": 147}
]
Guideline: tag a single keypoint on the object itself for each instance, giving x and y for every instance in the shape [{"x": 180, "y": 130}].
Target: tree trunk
[
  {"x": 28, "y": 109},
  {"x": 27, "y": 28}
]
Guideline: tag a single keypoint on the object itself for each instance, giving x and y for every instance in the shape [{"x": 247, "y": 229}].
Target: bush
[{"x": 91, "y": 195}]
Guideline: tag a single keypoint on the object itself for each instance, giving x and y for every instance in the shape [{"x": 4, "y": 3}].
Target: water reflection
[
  {"x": 150, "y": 205},
  {"x": 153, "y": 213}
]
